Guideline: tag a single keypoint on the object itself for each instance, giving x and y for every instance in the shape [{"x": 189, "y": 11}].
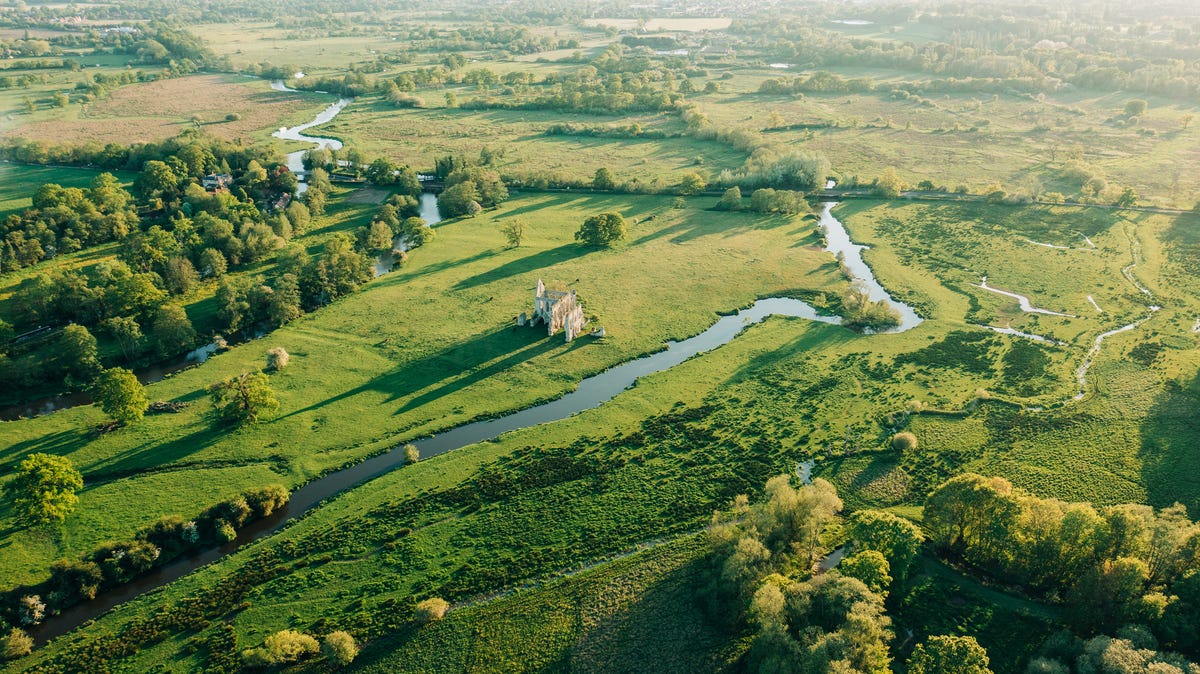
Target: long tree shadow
[
  {"x": 539, "y": 260},
  {"x": 155, "y": 454},
  {"x": 59, "y": 443},
  {"x": 1170, "y": 437},
  {"x": 453, "y": 368}
]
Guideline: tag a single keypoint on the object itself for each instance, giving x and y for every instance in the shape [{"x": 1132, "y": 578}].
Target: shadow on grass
[
  {"x": 154, "y": 453},
  {"x": 1168, "y": 454},
  {"x": 539, "y": 260},
  {"x": 60, "y": 443},
  {"x": 452, "y": 369}
]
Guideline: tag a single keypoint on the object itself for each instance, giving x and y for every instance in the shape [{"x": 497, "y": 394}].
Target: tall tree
[
  {"x": 42, "y": 491},
  {"x": 244, "y": 399},
  {"x": 120, "y": 395}
]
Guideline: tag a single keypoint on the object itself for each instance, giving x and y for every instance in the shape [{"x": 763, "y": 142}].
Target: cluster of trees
[
  {"x": 470, "y": 189},
  {"x": 66, "y": 219},
  {"x": 764, "y": 559},
  {"x": 114, "y": 563},
  {"x": 1110, "y": 566},
  {"x": 400, "y": 216},
  {"x": 302, "y": 283},
  {"x": 859, "y": 312}
]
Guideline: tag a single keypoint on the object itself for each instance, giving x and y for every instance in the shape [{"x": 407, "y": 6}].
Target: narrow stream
[
  {"x": 592, "y": 392},
  {"x": 295, "y": 160},
  {"x": 1026, "y": 305},
  {"x": 1081, "y": 373}
]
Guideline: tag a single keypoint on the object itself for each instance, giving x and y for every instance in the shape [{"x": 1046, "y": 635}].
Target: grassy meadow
[
  {"x": 422, "y": 349},
  {"x": 574, "y": 545}
]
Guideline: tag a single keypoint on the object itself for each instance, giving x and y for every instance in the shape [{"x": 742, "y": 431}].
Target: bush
[
  {"x": 411, "y": 453},
  {"x": 280, "y": 648},
  {"x": 339, "y": 648},
  {"x": 903, "y": 442},
  {"x": 277, "y": 358},
  {"x": 232, "y": 117},
  {"x": 431, "y": 610},
  {"x": 16, "y": 644},
  {"x": 266, "y": 500}
]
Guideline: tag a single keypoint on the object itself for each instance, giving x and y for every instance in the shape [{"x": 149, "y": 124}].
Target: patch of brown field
[{"x": 157, "y": 110}]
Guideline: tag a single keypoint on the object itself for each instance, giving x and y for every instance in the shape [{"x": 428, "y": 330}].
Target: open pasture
[
  {"x": 430, "y": 346},
  {"x": 157, "y": 110}
]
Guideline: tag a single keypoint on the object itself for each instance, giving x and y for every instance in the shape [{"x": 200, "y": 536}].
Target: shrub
[
  {"x": 903, "y": 442},
  {"x": 339, "y": 648},
  {"x": 280, "y": 648},
  {"x": 431, "y": 610},
  {"x": 224, "y": 531},
  {"x": 411, "y": 453},
  {"x": 16, "y": 644},
  {"x": 232, "y": 117},
  {"x": 266, "y": 500},
  {"x": 277, "y": 358},
  {"x": 31, "y": 609}
]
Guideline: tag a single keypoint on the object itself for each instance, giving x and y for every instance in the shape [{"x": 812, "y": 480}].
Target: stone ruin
[{"x": 559, "y": 310}]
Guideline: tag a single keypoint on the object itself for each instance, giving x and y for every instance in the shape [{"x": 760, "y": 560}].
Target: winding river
[
  {"x": 295, "y": 160},
  {"x": 592, "y": 392}
]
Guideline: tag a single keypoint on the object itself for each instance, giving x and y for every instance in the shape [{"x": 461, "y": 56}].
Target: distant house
[
  {"x": 282, "y": 202},
  {"x": 215, "y": 182}
]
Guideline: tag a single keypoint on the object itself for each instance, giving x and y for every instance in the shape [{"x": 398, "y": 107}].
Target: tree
[
  {"x": 16, "y": 644},
  {"x": 212, "y": 263},
  {"x": 78, "y": 356},
  {"x": 180, "y": 275},
  {"x": 243, "y": 399},
  {"x": 120, "y": 395},
  {"x": 456, "y": 200},
  {"x": 172, "y": 331},
  {"x": 339, "y": 648},
  {"x": 156, "y": 180},
  {"x": 871, "y": 567},
  {"x": 731, "y": 200},
  {"x": 949, "y": 655},
  {"x": 379, "y": 237},
  {"x": 601, "y": 230},
  {"x": 514, "y": 231},
  {"x": 888, "y": 184},
  {"x": 1135, "y": 107},
  {"x": 1128, "y": 198},
  {"x": 128, "y": 334},
  {"x": 604, "y": 180},
  {"x": 431, "y": 610},
  {"x": 692, "y": 183},
  {"x": 898, "y": 539},
  {"x": 42, "y": 491},
  {"x": 411, "y": 453},
  {"x": 283, "y": 306}
]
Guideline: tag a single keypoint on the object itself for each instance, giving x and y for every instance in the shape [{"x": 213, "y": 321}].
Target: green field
[
  {"x": 423, "y": 349},
  {"x": 579, "y": 545}
]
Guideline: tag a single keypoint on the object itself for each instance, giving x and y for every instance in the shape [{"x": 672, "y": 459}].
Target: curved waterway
[
  {"x": 295, "y": 160},
  {"x": 591, "y": 393}
]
